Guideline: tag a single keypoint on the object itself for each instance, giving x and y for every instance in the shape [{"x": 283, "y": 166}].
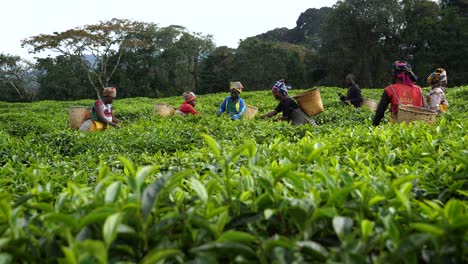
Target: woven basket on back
[
  {"x": 310, "y": 101},
  {"x": 163, "y": 109},
  {"x": 250, "y": 111},
  {"x": 369, "y": 103},
  {"x": 77, "y": 115},
  {"x": 410, "y": 113}
]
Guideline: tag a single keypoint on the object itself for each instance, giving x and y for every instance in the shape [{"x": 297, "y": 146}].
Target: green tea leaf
[
  {"x": 214, "y": 146},
  {"x": 236, "y": 236},
  {"x": 5, "y": 209},
  {"x": 103, "y": 172},
  {"x": 128, "y": 165},
  {"x": 342, "y": 225},
  {"x": 66, "y": 220},
  {"x": 366, "y": 228},
  {"x": 156, "y": 255},
  {"x": 454, "y": 211},
  {"x": 109, "y": 230},
  {"x": 226, "y": 248},
  {"x": 199, "y": 188},
  {"x": 315, "y": 249},
  {"x": 142, "y": 174},
  {"x": 112, "y": 192},
  {"x": 69, "y": 255},
  {"x": 150, "y": 196},
  {"x": 375, "y": 200},
  {"x": 427, "y": 228}
]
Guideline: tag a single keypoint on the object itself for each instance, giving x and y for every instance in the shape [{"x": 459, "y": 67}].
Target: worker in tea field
[
  {"x": 188, "y": 106},
  {"x": 102, "y": 116},
  {"x": 403, "y": 91},
  {"x": 353, "y": 95},
  {"x": 287, "y": 106},
  {"x": 233, "y": 105},
  {"x": 436, "y": 97}
]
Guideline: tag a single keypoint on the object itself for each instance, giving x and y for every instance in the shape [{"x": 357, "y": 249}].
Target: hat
[
  {"x": 350, "y": 77},
  {"x": 109, "y": 91},
  {"x": 189, "y": 96},
  {"x": 236, "y": 86},
  {"x": 439, "y": 75},
  {"x": 281, "y": 87},
  {"x": 399, "y": 67}
]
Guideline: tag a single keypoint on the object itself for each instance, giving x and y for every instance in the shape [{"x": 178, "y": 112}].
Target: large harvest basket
[
  {"x": 409, "y": 113},
  {"x": 163, "y": 109},
  {"x": 77, "y": 115},
  {"x": 250, "y": 111},
  {"x": 310, "y": 101},
  {"x": 369, "y": 103}
]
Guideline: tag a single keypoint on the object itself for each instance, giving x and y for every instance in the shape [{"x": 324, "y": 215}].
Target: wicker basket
[
  {"x": 77, "y": 115},
  {"x": 251, "y": 111},
  {"x": 369, "y": 103},
  {"x": 163, "y": 109},
  {"x": 409, "y": 113},
  {"x": 310, "y": 101}
]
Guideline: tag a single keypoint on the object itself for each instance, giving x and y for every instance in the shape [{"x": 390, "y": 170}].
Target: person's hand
[
  {"x": 235, "y": 117},
  {"x": 114, "y": 125},
  {"x": 219, "y": 114},
  {"x": 263, "y": 116},
  {"x": 346, "y": 101}
]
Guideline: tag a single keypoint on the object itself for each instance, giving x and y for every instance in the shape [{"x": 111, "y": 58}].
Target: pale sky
[{"x": 227, "y": 21}]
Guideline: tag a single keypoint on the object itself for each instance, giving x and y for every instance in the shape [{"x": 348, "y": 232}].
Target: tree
[
  {"x": 361, "y": 37},
  {"x": 105, "y": 42},
  {"x": 419, "y": 36},
  {"x": 195, "y": 47},
  {"x": 216, "y": 70},
  {"x": 62, "y": 78},
  {"x": 17, "y": 79},
  {"x": 258, "y": 64}
]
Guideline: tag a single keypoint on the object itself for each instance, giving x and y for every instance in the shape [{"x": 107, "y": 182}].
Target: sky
[{"x": 227, "y": 21}]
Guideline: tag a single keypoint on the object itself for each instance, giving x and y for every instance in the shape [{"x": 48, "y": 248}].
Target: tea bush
[{"x": 206, "y": 189}]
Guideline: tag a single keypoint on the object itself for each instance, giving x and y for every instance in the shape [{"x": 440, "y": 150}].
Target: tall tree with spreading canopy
[{"x": 104, "y": 42}]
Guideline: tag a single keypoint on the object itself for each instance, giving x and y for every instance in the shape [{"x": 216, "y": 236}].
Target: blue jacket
[{"x": 240, "y": 106}]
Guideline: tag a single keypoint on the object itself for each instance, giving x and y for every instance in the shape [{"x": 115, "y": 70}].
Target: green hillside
[{"x": 204, "y": 189}]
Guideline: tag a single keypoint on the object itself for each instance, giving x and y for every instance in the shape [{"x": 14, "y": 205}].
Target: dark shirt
[
  {"x": 354, "y": 95},
  {"x": 287, "y": 106}
]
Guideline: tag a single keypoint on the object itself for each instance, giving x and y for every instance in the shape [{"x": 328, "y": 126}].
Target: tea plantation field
[{"x": 204, "y": 189}]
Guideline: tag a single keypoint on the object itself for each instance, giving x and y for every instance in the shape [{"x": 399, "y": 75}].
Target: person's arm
[
  {"x": 380, "y": 112},
  {"x": 222, "y": 107},
  {"x": 193, "y": 111},
  {"x": 115, "y": 119},
  {"x": 242, "y": 108},
  {"x": 269, "y": 114}
]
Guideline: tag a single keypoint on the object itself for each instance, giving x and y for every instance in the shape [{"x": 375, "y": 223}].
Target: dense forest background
[{"x": 362, "y": 37}]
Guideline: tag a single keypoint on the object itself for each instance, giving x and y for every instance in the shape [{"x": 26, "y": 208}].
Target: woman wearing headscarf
[
  {"x": 437, "y": 101},
  {"x": 287, "y": 106},
  {"x": 233, "y": 105},
  {"x": 353, "y": 95},
  {"x": 188, "y": 106},
  {"x": 102, "y": 115},
  {"x": 403, "y": 91}
]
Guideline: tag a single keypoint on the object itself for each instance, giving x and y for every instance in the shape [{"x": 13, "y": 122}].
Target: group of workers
[{"x": 402, "y": 91}]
